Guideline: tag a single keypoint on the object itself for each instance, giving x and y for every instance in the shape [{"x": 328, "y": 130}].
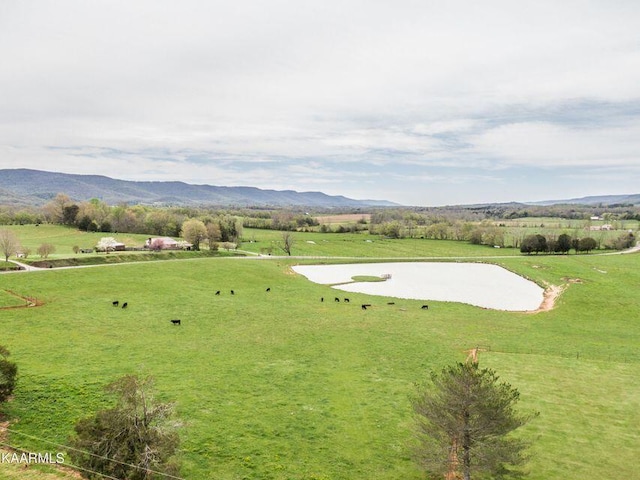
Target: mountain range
[
  {"x": 35, "y": 187},
  {"x": 22, "y": 187},
  {"x": 632, "y": 199}
]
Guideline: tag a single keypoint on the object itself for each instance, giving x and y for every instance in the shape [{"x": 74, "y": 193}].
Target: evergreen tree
[{"x": 464, "y": 417}]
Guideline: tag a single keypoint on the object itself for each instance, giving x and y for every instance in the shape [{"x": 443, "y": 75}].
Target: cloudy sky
[{"x": 416, "y": 101}]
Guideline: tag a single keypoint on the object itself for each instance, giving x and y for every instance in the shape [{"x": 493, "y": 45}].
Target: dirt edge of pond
[{"x": 549, "y": 297}]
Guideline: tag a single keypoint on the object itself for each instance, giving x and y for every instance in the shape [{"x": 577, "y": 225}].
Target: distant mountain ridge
[
  {"x": 630, "y": 199},
  {"x": 35, "y": 187}
]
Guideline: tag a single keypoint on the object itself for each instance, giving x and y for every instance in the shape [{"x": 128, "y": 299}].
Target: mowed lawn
[{"x": 280, "y": 385}]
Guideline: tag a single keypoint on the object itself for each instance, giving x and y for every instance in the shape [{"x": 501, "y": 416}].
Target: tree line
[
  {"x": 480, "y": 225},
  {"x": 563, "y": 243}
]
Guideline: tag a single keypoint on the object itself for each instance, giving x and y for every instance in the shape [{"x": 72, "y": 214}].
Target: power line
[
  {"x": 70, "y": 465},
  {"x": 67, "y": 447}
]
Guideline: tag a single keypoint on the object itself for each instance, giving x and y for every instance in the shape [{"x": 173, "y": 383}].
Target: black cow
[
  {"x": 269, "y": 289},
  {"x": 115, "y": 304},
  {"x": 232, "y": 292},
  {"x": 218, "y": 292},
  {"x": 365, "y": 305},
  {"x": 175, "y": 322},
  {"x": 346, "y": 300},
  {"x": 124, "y": 305},
  {"x": 391, "y": 303},
  {"x": 322, "y": 299},
  {"x": 337, "y": 299},
  {"x": 425, "y": 307}
]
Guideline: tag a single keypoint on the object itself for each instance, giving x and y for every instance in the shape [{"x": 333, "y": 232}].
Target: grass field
[
  {"x": 357, "y": 245},
  {"x": 280, "y": 386}
]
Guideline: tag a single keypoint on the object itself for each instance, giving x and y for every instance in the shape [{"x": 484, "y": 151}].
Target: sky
[{"x": 419, "y": 102}]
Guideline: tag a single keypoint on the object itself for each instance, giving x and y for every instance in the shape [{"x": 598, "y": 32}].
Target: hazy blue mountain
[
  {"x": 632, "y": 199},
  {"x": 34, "y": 187}
]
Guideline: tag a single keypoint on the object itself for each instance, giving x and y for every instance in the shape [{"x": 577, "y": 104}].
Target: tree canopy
[
  {"x": 132, "y": 440},
  {"x": 8, "y": 374},
  {"x": 464, "y": 417}
]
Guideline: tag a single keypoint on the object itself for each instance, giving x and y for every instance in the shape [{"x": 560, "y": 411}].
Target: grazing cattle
[
  {"x": 115, "y": 304},
  {"x": 218, "y": 292},
  {"x": 232, "y": 292},
  {"x": 337, "y": 299},
  {"x": 322, "y": 299},
  {"x": 425, "y": 307},
  {"x": 269, "y": 289},
  {"x": 175, "y": 322},
  {"x": 391, "y": 303},
  {"x": 346, "y": 300},
  {"x": 124, "y": 305}
]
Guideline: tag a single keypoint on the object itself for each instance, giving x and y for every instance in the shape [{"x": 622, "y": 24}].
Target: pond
[{"x": 480, "y": 284}]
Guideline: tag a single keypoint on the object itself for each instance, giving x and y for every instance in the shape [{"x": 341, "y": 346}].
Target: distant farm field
[
  {"x": 343, "y": 219},
  {"x": 364, "y": 245},
  {"x": 281, "y": 385},
  {"x": 65, "y": 238}
]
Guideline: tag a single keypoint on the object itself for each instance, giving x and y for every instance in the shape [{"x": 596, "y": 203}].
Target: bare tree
[
  {"x": 55, "y": 208},
  {"x": 46, "y": 249},
  {"x": 214, "y": 235},
  {"x": 287, "y": 242},
  {"x": 9, "y": 244}
]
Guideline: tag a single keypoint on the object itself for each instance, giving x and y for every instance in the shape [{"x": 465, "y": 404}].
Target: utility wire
[
  {"x": 69, "y": 465},
  {"x": 67, "y": 447}
]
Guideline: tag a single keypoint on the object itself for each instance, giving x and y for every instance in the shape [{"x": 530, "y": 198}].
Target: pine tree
[{"x": 464, "y": 417}]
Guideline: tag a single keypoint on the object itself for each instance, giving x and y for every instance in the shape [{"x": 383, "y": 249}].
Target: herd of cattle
[{"x": 177, "y": 321}]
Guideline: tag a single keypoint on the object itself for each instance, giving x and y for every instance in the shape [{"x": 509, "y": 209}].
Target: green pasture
[
  {"x": 65, "y": 238},
  {"x": 550, "y": 227},
  {"x": 364, "y": 245},
  {"x": 257, "y": 241},
  {"x": 278, "y": 385},
  {"x": 566, "y": 223},
  {"x": 9, "y": 300}
]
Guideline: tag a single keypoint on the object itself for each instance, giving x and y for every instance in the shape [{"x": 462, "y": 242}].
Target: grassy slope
[
  {"x": 65, "y": 238},
  {"x": 279, "y": 385},
  {"x": 9, "y": 471}
]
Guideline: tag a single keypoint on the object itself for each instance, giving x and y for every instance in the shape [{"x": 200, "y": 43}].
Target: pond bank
[{"x": 479, "y": 284}]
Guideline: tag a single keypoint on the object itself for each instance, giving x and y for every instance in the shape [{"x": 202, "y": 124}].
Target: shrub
[{"x": 8, "y": 374}]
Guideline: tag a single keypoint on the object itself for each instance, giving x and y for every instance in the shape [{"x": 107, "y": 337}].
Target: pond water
[{"x": 479, "y": 284}]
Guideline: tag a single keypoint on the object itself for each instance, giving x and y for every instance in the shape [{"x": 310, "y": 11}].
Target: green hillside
[{"x": 278, "y": 385}]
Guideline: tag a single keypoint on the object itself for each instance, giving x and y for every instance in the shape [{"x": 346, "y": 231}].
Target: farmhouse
[
  {"x": 597, "y": 228},
  {"x": 166, "y": 243}
]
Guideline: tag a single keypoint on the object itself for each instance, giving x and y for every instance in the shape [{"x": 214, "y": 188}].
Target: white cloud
[
  {"x": 457, "y": 84},
  {"x": 549, "y": 145}
]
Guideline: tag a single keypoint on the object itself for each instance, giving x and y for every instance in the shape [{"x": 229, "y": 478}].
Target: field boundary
[{"x": 29, "y": 301}]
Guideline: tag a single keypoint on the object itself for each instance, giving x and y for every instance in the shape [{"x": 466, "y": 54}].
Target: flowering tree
[{"x": 106, "y": 244}]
